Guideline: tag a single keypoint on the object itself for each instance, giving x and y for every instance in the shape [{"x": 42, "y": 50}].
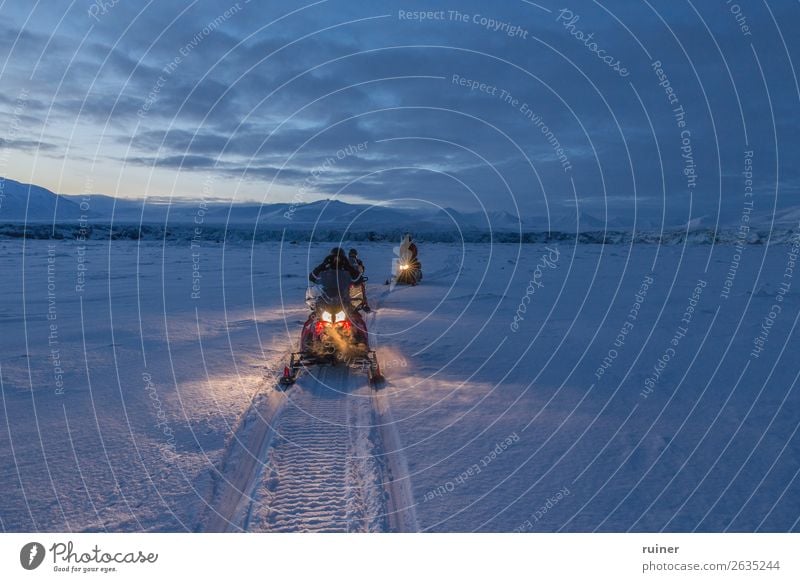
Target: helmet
[
  {"x": 353, "y": 253},
  {"x": 337, "y": 251}
]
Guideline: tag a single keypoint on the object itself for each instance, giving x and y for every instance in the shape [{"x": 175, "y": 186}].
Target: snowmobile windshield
[{"x": 335, "y": 285}]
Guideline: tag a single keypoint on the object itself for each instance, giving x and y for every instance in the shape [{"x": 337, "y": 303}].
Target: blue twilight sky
[{"x": 269, "y": 101}]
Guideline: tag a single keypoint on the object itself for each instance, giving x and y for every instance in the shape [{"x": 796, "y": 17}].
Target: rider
[
  {"x": 412, "y": 247},
  {"x": 359, "y": 291},
  {"x": 337, "y": 261},
  {"x": 335, "y": 276}
]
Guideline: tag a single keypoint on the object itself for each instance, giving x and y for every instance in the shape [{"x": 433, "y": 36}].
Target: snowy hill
[
  {"x": 330, "y": 219},
  {"x": 320, "y": 214},
  {"x": 494, "y": 220},
  {"x": 18, "y": 201}
]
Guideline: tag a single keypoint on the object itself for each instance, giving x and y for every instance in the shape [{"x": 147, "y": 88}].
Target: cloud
[
  {"x": 271, "y": 90},
  {"x": 26, "y": 144}
]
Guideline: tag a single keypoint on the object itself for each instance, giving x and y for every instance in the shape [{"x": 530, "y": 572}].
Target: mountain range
[{"x": 29, "y": 203}]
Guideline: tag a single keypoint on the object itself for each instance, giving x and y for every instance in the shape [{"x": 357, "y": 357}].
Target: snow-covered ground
[{"x": 529, "y": 388}]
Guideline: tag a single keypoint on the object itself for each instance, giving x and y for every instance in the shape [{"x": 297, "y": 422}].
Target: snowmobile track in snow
[
  {"x": 313, "y": 460},
  {"x": 321, "y": 473},
  {"x": 400, "y": 500},
  {"x": 242, "y": 461}
]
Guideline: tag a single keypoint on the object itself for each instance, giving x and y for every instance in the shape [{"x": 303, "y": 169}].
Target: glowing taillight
[
  {"x": 346, "y": 325},
  {"x": 319, "y": 327}
]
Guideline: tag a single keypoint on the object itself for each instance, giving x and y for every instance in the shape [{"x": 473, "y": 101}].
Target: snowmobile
[
  {"x": 407, "y": 268},
  {"x": 409, "y": 272},
  {"x": 334, "y": 333}
]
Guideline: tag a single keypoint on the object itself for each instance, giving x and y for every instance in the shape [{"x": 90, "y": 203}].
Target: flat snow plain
[{"x": 532, "y": 387}]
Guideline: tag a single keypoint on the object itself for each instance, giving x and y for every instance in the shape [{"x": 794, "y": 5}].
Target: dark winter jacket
[
  {"x": 337, "y": 263},
  {"x": 358, "y": 265}
]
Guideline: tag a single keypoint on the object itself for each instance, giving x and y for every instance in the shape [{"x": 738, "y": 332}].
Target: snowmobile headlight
[
  {"x": 403, "y": 267},
  {"x": 326, "y": 316},
  {"x": 341, "y": 316}
]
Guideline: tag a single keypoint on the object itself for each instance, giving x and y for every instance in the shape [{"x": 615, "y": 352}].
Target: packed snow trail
[
  {"x": 323, "y": 456},
  {"x": 321, "y": 472}
]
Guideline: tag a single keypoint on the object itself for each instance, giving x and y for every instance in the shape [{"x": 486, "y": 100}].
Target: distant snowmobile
[
  {"x": 335, "y": 333},
  {"x": 408, "y": 269}
]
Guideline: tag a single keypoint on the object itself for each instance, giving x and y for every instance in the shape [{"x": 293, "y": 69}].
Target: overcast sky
[{"x": 269, "y": 101}]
